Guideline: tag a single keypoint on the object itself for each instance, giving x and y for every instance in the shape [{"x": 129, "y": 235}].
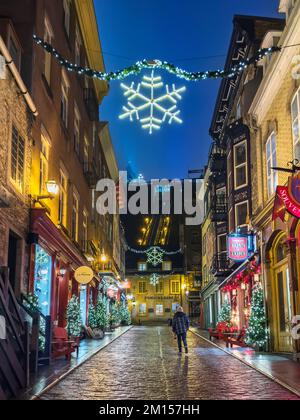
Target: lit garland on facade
[{"x": 139, "y": 66}]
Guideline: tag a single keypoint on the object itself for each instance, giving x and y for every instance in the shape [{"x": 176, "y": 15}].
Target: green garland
[{"x": 139, "y": 66}]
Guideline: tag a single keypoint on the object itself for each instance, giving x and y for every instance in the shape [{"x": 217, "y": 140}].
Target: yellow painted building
[
  {"x": 275, "y": 120},
  {"x": 157, "y": 303}
]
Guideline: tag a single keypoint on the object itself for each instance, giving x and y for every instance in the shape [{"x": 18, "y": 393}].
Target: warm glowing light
[
  {"x": 52, "y": 187},
  {"x": 104, "y": 258}
]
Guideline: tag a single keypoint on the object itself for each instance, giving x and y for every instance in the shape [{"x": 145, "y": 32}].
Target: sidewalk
[
  {"x": 278, "y": 367},
  {"x": 50, "y": 375}
]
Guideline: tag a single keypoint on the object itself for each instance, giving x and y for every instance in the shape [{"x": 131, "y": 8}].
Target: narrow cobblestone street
[{"x": 144, "y": 364}]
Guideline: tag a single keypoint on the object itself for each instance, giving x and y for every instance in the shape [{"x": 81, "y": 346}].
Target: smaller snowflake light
[
  {"x": 154, "y": 279},
  {"x": 157, "y": 113},
  {"x": 155, "y": 256}
]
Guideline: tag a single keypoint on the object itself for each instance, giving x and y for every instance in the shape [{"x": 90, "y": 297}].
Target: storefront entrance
[{"x": 283, "y": 302}]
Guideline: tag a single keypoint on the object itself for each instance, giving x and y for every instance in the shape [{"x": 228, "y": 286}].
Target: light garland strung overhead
[{"x": 139, "y": 66}]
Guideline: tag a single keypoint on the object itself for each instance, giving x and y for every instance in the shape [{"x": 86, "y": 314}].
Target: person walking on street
[{"x": 180, "y": 326}]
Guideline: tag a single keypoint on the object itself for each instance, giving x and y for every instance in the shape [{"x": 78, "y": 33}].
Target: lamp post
[{"x": 52, "y": 189}]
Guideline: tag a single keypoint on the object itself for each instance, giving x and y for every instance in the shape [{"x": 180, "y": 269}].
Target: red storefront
[
  {"x": 238, "y": 287},
  {"x": 53, "y": 261}
]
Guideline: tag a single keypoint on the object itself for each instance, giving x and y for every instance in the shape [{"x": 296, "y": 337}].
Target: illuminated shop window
[
  {"x": 159, "y": 310},
  {"x": 83, "y": 304},
  {"x": 42, "y": 279}
]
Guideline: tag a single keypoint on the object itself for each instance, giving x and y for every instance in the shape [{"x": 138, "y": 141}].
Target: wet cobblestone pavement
[{"x": 144, "y": 365}]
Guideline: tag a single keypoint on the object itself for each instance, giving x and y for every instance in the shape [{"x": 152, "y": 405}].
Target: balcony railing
[
  {"x": 221, "y": 264},
  {"x": 91, "y": 172},
  {"x": 91, "y": 103},
  {"x": 219, "y": 209}
]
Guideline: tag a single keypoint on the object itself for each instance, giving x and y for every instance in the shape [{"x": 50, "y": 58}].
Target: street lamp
[{"x": 52, "y": 189}]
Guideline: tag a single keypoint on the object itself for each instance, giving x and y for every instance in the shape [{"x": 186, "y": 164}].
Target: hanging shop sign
[
  {"x": 84, "y": 275},
  {"x": 288, "y": 199},
  {"x": 240, "y": 247}
]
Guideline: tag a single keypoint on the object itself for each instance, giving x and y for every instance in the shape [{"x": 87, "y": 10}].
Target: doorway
[
  {"x": 13, "y": 260},
  {"x": 283, "y": 299}
]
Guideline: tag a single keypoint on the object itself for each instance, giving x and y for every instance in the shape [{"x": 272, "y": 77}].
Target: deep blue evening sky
[{"x": 177, "y": 31}]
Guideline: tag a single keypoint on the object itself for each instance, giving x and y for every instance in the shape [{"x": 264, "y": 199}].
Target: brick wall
[{"x": 14, "y": 111}]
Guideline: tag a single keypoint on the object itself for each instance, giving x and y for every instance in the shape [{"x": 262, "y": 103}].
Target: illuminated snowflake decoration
[
  {"x": 154, "y": 279},
  {"x": 158, "y": 114},
  {"x": 155, "y": 256}
]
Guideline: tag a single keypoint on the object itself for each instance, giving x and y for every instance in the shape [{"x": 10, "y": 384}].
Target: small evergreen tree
[
  {"x": 225, "y": 314},
  {"x": 74, "y": 322},
  {"x": 256, "y": 334},
  {"x": 125, "y": 315},
  {"x": 102, "y": 320},
  {"x": 115, "y": 318},
  {"x": 92, "y": 316}
]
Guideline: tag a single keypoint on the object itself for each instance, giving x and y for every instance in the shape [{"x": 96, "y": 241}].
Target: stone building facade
[{"x": 16, "y": 120}]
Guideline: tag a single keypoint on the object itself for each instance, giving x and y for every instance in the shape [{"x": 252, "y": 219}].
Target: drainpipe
[{"x": 11, "y": 65}]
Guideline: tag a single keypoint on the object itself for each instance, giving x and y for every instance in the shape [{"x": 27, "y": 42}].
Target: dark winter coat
[{"x": 180, "y": 323}]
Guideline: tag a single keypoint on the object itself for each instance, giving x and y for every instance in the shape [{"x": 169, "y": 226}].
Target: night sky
[{"x": 193, "y": 34}]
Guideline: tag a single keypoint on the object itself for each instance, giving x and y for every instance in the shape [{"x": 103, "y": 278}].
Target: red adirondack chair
[{"x": 62, "y": 345}]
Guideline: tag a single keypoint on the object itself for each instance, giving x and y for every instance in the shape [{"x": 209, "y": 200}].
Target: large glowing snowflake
[
  {"x": 142, "y": 103},
  {"x": 155, "y": 256},
  {"x": 154, "y": 279}
]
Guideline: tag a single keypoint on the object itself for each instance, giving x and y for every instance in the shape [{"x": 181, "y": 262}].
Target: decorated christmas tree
[
  {"x": 125, "y": 315},
  {"x": 256, "y": 334},
  {"x": 92, "y": 316},
  {"x": 225, "y": 314},
  {"x": 115, "y": 318},
  {"x": 32, "y": 303},
  {"x": 102, "y": 320},
  {"x": 74, "y": 317}
]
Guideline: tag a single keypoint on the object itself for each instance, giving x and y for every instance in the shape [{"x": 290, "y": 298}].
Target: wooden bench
[
  {"x": 215, "y": 334},
  {"x": 61, "y": 345}
]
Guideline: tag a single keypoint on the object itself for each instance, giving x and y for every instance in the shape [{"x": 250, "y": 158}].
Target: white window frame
[
  {"x": 142, "y": 266},
  {"x": 144, "y": 306},
  {"x": 44, "y": 161},
  {"x": 65, "y": 98},
  {"x": 48, "y": 37},
  {"x": 219, "y": 243},
  {"x": 63, "y": 197},
  {"x": 75, "y": 210},
  {"x": 175, "y": 287},
  {"x": 18, "y": 183},
  {"x": 236, "y": 212},
  {"x": 167, "y": 266},
  {"x": 142, "y": 289},
  {"x": 272, "y": 179},
  {"x": 296, "y": 120},
  {"x": 161, "y": 311},
  {"x": 236, "y": 167}
]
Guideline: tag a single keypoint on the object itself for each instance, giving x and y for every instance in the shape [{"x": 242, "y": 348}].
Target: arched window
[{"x": 280, "y": 253}]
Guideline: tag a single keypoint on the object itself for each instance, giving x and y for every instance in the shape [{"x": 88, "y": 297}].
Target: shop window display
[{"x": 42, "y": 279}]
